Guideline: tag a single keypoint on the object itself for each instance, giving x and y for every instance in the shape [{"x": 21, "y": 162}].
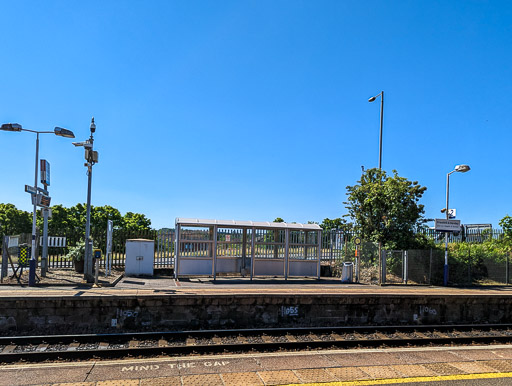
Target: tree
[
  {"x": 386, "y": 208},
  {"x": 337, "y": 223},
  {"x": 506, "y": 225},
  {"x": 14, "y": 221},
  {"x": 100, "y": 216},
  {"x": 278, "y": 219},
  {"x": 133, "y": 222}
]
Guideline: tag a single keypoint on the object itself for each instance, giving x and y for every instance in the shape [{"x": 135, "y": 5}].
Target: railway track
[{"x": 147, "y": 344}]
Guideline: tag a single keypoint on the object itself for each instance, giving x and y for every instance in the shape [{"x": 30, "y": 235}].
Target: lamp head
[
  {"x": 372, "y": 99},
  {"x": 462, "y": 168},
  {"x": 64, "y": 132},
  {"x": 11, "y": 127}
]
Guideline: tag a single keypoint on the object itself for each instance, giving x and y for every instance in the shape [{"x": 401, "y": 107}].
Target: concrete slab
[
  {"x": 138, "y": 369},
  {"x": 314, "y": 375},
  {"x": 369, "y": 358},
  {"x": 473, "y": 367},
  {"x": 202, "y": 379},
  {"x": 284, "y": 361},
  {"x": 281, "y": 377},
  {"x": 504, "y": 353},
  {"x": 381, "y": 372},
  {"x": 414, "y": 370},
  {"x": 348, "y": 373},
  {"x": 440, "y": 356},
  {"x": 37, "y": 376},
  {"x": 477, "y": 355},
  {"x": 217, "y": 365},
  {"x": 163, "y": 381},
  {"x": 443, "y": 368},
  {"x": 119, "y": 382},
  {"x": 242, "y": 379},
  {"x": 500, "y": 365}
]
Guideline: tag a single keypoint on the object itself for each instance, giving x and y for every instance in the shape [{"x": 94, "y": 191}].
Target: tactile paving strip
[
  {"x": 202, "y": 379},
  {"x": 502, "y": 366},
  {"x": 380, "y": 372},
  {"x": 241, "y": 379},
  {"x": 347, "y": 373},
  {"x": 119, "y": 382},
  {"x": 75, "y": 384},
  {"x": 163, "y": 381},
  {"x": 314, "y": 375},
  {"x": 278, "y": 377},
  {"x": 473, "y": 367},
  {"x": 443, "y": 368}
]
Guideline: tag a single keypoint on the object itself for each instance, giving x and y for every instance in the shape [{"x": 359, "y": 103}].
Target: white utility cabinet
[{"x": 140, "y": 256}]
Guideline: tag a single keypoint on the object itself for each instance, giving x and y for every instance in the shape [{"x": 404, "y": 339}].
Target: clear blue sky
[{"x": 253, "y": 110}]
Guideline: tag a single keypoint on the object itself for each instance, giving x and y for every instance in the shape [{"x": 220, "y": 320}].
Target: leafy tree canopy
[
  {"x": 133, "y": 222},
  {"x": 337, "y": 223},
  {"x": 70, "y": 222},
  {"x": 278, "y": 219},
  {"x": 14, "y": 221},
  {"x": 506, "y": 225},
  {"x": 386, "y": 209}
]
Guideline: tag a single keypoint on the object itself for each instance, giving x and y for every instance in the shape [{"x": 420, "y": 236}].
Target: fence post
[
  {"x": 5, "y": 257},
  {"x": 382, "y": 259},
  {"x": 332, "y": 232},
  {"x": 405, "y": 267},
  {"x": 506, "y": 268},
  {"x": 469, "y": 264}
]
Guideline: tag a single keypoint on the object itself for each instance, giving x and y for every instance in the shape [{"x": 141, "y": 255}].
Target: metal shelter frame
[{"x": 210, "y": 247}]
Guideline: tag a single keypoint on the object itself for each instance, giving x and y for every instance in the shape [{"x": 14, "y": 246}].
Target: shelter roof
[{"x": 246, "y": 224}]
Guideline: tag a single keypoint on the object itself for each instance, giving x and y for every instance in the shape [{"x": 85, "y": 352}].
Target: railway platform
[
  {"x": 199, "y": 303},
  {"x": 341, "y": 367}
]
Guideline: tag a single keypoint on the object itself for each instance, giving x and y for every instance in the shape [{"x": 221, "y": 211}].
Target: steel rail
[{"x": 76, "y": 352}]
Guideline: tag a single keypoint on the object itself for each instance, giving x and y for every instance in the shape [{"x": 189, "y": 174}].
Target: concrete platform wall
[{"x": 102, "y": 313}]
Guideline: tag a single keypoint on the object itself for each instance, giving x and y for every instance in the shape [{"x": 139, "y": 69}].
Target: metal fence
[{"x": 474, "y": 265}]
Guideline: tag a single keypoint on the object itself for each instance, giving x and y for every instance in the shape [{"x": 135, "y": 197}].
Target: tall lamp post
[
  {"x": 460, "y": 169},
  {"x": 373, "y": 98},
  {"x": 91, "y": 157},
  {"x": 57, "y": 131}
]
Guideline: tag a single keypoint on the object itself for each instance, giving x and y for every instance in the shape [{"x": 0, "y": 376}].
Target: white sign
[
  {"x": 452, "y": 213},
  {"x": 447, "y": 225}
]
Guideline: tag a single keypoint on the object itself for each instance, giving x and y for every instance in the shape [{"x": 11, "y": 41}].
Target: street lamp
[
  {"x": 373, "y": 98},
  {"x": 59, "y": 131},
  {"x": 91, "y": 157},
  {"x": 460, "y": 169},
  {"x": 381, "y": 94}
]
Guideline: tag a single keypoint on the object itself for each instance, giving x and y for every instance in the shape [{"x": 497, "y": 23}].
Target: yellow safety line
[{"x": 388, "y": 381}]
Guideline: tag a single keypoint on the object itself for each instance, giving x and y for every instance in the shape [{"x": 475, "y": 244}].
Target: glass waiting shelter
[{"x": 246, "y": 248}]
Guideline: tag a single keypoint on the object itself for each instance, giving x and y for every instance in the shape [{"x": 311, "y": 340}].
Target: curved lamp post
[
  {"x": 460, "y": 169},
  {"x": 61, "y": 133},
  {"x": 373, "y": 98},
  {"x": 381, "y": 94}
]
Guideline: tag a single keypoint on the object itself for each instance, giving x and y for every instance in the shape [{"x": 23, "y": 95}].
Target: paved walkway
[
  {"x": 131, "y": 286},
  {"x": 365, "y": 366}
]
